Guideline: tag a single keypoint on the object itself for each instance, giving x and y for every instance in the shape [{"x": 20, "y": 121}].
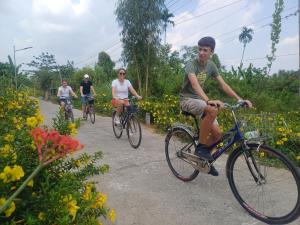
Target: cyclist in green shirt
[{"x": 194, "y": 100}]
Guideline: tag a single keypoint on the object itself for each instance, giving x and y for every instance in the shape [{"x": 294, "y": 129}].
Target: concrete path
[{"x": 141, "y": 187}]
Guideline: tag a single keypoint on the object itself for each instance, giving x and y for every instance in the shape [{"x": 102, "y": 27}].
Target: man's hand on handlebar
[
  {"x": 215, "y": 103},
  {"x": 246, "y": 103}
]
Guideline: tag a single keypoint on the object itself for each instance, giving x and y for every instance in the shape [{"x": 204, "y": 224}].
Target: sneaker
[
  {"x": 213, "y": 171},
  {"x": 203, "y": 151}
]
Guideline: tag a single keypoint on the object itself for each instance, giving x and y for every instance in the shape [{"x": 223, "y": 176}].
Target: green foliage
[
  {"x": 141, "y": 22},
  {"x": 106, "y": 65},
  {"x": 63, "y": 192},
  {"x": 275, "y": 32}
]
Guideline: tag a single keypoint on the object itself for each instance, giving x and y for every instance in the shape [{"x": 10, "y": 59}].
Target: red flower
[{"x": 54, "y": 145}]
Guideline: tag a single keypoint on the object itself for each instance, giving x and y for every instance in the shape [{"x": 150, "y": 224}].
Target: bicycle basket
[
  {"x": 132, "y": 108},
  {"x": 257, "y": 126}
]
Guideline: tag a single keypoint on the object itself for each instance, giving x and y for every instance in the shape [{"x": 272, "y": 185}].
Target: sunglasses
[{"x": 122, "y": 73}]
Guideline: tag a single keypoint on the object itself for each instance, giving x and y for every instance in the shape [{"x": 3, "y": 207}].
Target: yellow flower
[
  {"x": 284, "y": 139},
  {"x": 112, "y": 215},
  {"x": 71, "y": 206},
  {"x": 30, "y": 183},
  {"x": 10, "y": 209},
  {"x": 31, "y": 122},
  {"x": 9, "y": 138},
  {"x": 5, "y": 150},
  {"x": 100, "y": 223},
  {"x": 41, "y": 216},
  {"x": 39, "y": 118},
  {"x": 279, "y": 142},
  {"x": 298, "y": 157},
  {"x": 298, "y": 134},
  {"x": 12, "y": 174},
  {"x": 72, "y": 128},
  {"x": 100, "y": 200},
  {"x": 87, "y": 195}
]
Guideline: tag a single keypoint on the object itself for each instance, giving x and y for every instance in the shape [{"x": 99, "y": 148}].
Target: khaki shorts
[{"x": 194, "y": 106}]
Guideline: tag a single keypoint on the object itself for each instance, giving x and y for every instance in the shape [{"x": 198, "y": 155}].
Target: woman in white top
[
  {"x": 120, "y": 88},
  {"x": 64, "y": 92}
]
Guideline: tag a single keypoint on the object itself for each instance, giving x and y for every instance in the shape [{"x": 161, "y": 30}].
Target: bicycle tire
[
  {"x": 133, "y": 126},
  {"x": 92, "y": 114},
  {"x": 183, "y": 137},
  {"x": 282, "y": 211},
  {"x": 71, "y": 116},
  {"x": 117, "y": 129}
]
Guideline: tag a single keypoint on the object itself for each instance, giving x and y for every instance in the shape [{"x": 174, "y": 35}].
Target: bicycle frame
[{"x": 232, "y": 136}]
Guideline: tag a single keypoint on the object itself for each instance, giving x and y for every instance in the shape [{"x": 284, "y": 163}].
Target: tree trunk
[{"x": 242, "y": 56}]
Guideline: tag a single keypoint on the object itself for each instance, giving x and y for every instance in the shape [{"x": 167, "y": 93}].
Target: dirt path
[{"x": 142, "y": 189}]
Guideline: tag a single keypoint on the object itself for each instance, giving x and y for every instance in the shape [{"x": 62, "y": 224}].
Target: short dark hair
[{"x": 207, "y": 41}]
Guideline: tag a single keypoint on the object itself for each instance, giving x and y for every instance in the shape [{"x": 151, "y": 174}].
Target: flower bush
[
  {"x": 38, "y": 183},
  {"x": 165, "y": 112}
]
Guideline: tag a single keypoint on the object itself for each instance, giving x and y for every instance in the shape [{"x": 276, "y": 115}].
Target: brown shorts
[{"x": 194, "y": 106}]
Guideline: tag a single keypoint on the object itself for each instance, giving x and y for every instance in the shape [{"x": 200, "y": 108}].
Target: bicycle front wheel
[
  {"x": 117, "y": 125},
  {"x": 265, "y": 183},
  {"x": 92, "y": 114},
  {"x": 177, "y": 141},
  {"x": 134, "y": 131}
]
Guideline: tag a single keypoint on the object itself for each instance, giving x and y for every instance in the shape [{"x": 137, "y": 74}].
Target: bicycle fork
[{"x": 254, "y": 168}]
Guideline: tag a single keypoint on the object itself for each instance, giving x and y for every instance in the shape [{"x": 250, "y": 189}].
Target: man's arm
[
  {"x": 73, "y": 93},
  {"x": 196, "y": 86},
  {"x": 81, "y": 88},
  {"x": 93, "y": 90},
  {"x": 226, "y": 88}
]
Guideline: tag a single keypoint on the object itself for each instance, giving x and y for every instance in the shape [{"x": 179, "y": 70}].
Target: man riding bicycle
[
  {"x": 63, "y": 93},
  {"x": 194, "y": 100},
  {"x": 85, "y": 91},
  {"x": 120, "y": 89}
]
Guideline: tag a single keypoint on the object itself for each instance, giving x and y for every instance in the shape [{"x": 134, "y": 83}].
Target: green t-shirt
[{"x": 202, "y": 73}]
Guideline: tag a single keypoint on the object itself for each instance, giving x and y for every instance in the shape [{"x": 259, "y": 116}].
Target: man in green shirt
[{"x": 194, "y": 100}]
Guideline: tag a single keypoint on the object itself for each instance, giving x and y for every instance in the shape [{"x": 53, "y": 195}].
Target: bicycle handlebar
[{"x": 239, "y": 104}]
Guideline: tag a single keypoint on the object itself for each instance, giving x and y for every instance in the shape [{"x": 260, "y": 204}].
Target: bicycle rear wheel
[
  {"x": 71, "y": 115},
  {"x": 134, "y": 131},
  {"x": 177, "y": 141},
  {"x": 117, "y": 125},
  {"x": 265, "y": 183},
  {"x": 92, "y": 114}
]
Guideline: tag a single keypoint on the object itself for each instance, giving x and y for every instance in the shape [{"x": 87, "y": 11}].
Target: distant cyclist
[
  {"x": 120, "y": 88},
  {"x": 86, "y": 86},
  {"x": 64, "y": 92},
  {"x": 194, "y": 100}
]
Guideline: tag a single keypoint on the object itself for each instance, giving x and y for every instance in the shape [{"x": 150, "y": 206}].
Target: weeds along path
[{"x": 141, "y": 187}]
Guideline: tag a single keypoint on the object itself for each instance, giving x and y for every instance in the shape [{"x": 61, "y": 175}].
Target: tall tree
[
  {"x": 45, "y": 71},
  {"x": 141, "y": 26},
  {"x": 275, "y": 32},
  {"x": 166, "y": 15},
  {"x": 245, "y": 37},
  {"x": 105, "y": 62}
]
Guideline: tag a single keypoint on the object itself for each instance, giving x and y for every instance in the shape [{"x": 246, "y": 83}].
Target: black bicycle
[
  {"x": 89, "y": 109},
  {"x": 68, "y": 109},
  {"x": 128, "y": 120},
  {"x": 263, "y": 180}
]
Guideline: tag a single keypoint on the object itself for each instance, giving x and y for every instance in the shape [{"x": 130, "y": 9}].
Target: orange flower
[{"x": 51, "y": 145}]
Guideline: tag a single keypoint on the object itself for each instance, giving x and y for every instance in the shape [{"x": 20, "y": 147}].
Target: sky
[{"x": 77, "y": 30}]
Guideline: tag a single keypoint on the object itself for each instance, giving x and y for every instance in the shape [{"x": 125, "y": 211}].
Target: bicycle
[
  {"x": 128, "y": 120},
  {"x": 252, "y": 168},
  {"x": 89, "y": 109},
  {"x": 68, "y": 109}
]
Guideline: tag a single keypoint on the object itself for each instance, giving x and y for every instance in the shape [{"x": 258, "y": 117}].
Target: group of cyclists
[{"x": 193, "y": 99}]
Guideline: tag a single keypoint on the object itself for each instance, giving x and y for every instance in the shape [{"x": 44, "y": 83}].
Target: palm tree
[
  {"x": 245, "y": 37},
  {"x": 166, "y": 19}
]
